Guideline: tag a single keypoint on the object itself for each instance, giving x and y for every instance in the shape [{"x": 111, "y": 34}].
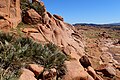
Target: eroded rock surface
[
  {"x": 10, "y": 12},
  {"x": 37, "y": 69},
  {"x": 107, "y": 70},
  {"x": 31, "y": 16},
  {"x": 27, "y": 75},
  {"x": 54, "y": 30}
]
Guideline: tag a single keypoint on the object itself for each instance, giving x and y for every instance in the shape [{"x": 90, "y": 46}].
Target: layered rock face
[
  {"x": 54, "y": 29},
  {"x": 51, "y": 29},
  {"x": 10, "y": 14}
]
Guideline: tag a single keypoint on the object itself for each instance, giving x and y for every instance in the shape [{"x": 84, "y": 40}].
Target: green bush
[
  {"x": 38, "y": 8},
  {"x": 14, "y": 53},
  {"x": 26, "y": 5}
]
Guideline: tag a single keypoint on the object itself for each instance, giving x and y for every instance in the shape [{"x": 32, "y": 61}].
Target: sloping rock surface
[
  {"x": 10, "y": 12},
  {"x": 54, "y": 30}
]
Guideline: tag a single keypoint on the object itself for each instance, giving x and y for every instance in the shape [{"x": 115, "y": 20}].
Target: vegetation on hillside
[
  {"x": 26, "y": 5},
  {"x": 17, "y": 52},
  {"x": 97, "y": 32}
]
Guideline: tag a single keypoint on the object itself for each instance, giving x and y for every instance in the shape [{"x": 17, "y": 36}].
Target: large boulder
[
  {"x": 92, "y": 72},
  {"x": 3, "y": 15},
  {"x": 85, "y": 61},
  {"x": 10, "y": 11},
  {"x": 3, "y": 23},
  {"x": 50, "y": 74},
  {"x": 27, "y": 75},
  {"x": 75, "y": 71},
  {"x": 37, "y": 37},
  {"x": 58, "y": 17},
  {"x": 37, "y": 69},
  {"x": 107, "y": 57},
  {"x": 32, "y": 17},
  {"x": 28, "y": 30},
  {"x": 107, "y": 70},
  {"x": 118, "y": 42},
  {"x": 104, "y": 35}
]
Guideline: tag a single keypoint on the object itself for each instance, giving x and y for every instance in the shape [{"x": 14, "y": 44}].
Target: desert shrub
[
  {"x": 7, "y": 52},
  {"x": 48, "y": 55},
  {"x": 5, "y": 37},
  {"x": 40, "y": 9},
  {"x": 25, "y": 5},
  {"x": 15, "y": 52}
]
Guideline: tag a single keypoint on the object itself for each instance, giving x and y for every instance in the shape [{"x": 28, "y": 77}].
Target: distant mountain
[
  {"x": 92, "y": 24},
  {"x": 86, "y": 24},
  {"x": 118, "y": 24},
  {"x": 115, "y": 26}
]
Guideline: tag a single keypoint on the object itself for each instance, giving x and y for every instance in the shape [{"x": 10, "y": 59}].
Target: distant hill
[
  {"x": 92, "y": 24},
  {"x": 115, "y": 26}
]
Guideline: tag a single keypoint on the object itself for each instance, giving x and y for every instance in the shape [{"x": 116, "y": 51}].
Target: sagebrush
[{"x": 17, "y": 52}]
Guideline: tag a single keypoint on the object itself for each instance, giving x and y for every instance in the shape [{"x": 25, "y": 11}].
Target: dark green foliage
[
  {"x": 26, "y": 5},
  {"x": 61, "y": 72},
  {"x": 38, "y": 8},
  {"x": 49, "y": 55},
  {"x": 7, "y": 54},
  {"x": 5, "y": 37},
  {"x": 14, "y": 53}
]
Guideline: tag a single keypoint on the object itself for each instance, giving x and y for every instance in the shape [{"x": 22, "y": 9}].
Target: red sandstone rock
[
  {"x": 3, "y": 23},
  {"x": 74, "y": 70},
  {"x": 27, "y": 75},
  {"x": 10, "y": 11},
  {"x": 58, "y": 17},
  {"x": 37, "y": 37},
  {"x": 32, "y": 30},
  {"x": 85, "y": 61},
  {"x": 3, "y": 15},
  {"x": 91, "y": 71},
  {"x": 50, "y": 74},
  {"x": 59, "y": 33},
  {"x": 107, "y": 70},
  {"x": 32, "y": 17},
  {"x": 37, "y": 69}
]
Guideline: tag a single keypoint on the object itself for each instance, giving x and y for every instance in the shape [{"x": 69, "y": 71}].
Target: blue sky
[{"x": 85, "y": 11}]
